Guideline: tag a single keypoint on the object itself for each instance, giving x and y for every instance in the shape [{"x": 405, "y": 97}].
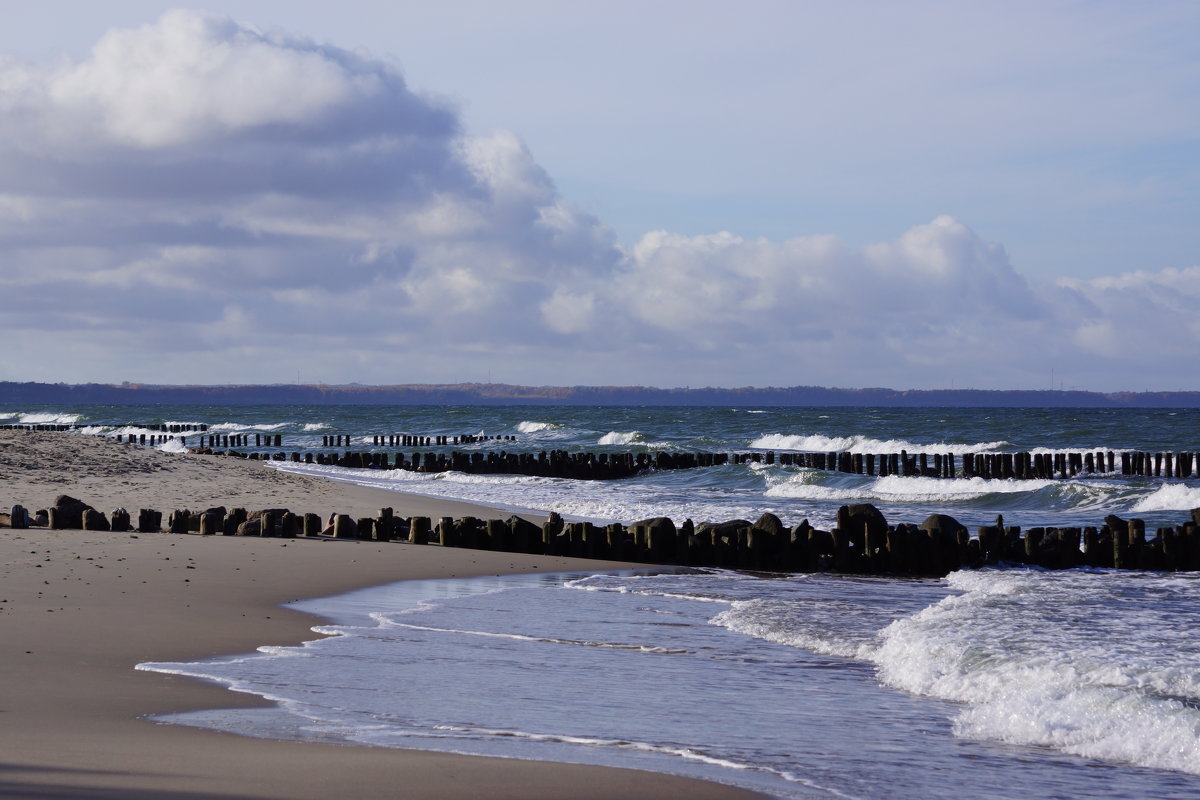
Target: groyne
[
  {"x": 338, "y": 450},
  {"x": 607, "y": 465},
  {"x": 862, "y": 542}
]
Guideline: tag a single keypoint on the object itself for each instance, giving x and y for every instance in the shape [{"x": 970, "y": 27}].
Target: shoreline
[{"x": 79, "y": 609}]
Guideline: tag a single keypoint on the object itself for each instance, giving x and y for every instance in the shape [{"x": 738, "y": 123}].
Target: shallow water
[{"x": 804, "y": 686}]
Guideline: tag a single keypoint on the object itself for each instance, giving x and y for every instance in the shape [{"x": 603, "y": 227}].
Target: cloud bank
[{"x": 198, "y": 201}]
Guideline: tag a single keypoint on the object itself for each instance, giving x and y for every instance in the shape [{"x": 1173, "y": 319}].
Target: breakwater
[
  {"x": 603, "y": 466},
  {"x": 338, "y": 450},
  {"x": 862, "y": 542}
]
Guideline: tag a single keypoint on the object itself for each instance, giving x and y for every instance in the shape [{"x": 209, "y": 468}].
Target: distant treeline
[{"x": 490, "y": 394}]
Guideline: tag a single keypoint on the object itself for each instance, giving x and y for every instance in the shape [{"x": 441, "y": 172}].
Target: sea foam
[
  {"x": 1170, "y": 497},
  {"x": 238, "y": 426},
  {"x": 818, "y": 443},
  {"x": 528, "y": 426},
  {"x": 898, "y": 488},
  {"x": 48, "y": 418},
  {"x": 1061, "y": 682},
  {"x": 617, "y": 437}
]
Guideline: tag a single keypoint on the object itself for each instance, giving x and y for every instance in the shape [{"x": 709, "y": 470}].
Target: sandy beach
[{"x": 79, "y": 609}]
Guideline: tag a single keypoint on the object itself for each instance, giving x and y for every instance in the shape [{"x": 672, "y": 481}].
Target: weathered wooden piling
[
  {"x": 178, "y": 521},
  {"x": 212, "y": 521},
  {"x": 384, "y": 525},
  {"x": 364, "y": 528},
  {"x": 18, "y": 517},
  {"x": 94, "y": 520},
  {"x": 149, "y": 520},
  {"x": 552, "y": 529},
  {"x": 344, "y": 527}
]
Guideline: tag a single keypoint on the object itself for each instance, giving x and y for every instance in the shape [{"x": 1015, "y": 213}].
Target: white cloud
[{"x": 198, "y": 199}]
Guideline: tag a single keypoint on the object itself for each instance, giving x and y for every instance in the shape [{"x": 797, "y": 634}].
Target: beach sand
[{"x": 79, "y": 609}]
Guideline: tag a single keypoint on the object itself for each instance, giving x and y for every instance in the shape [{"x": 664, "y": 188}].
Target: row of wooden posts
[
  {"x": 561, "y": 463},
  {"x": 862, "y": 542},
  {"x": 62, "y": 427},
  {"x": 1022, "y": 465},
  {"x": 547, "y": 464}
]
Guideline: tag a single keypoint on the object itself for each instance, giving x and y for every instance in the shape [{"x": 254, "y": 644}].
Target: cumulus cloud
[{"x": 200, "y": 201}]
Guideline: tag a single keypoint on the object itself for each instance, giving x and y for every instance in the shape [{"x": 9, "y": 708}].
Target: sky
[{"x": 990, "y": 195}]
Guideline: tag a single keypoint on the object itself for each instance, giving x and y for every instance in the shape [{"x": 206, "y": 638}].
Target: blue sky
[{"x": 672, "y": 193}]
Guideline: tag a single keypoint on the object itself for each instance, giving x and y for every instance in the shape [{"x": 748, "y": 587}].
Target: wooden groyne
[
  {"x": 862, "y": 541},
  {"x": 544, "y": 464},
  {"x": 61, "y": 427},
  {"x": 608, "y": 465},
  {"x": 599, "y": 466}
]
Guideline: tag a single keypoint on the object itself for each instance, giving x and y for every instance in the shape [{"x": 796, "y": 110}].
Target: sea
[{"x": 1002, "y": 682}]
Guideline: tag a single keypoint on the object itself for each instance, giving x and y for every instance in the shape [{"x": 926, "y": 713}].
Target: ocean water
[
  {"x": 1016, "y": 683},
  {"x": 731, "y": 491},
  {"x": 991, "y": 683}
]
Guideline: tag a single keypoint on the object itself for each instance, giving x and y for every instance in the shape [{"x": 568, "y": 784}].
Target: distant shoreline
[{"x": 492, "y": 394}]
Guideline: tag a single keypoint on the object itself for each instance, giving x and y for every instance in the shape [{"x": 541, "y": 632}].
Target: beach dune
[{"x": 79, "y": 609}]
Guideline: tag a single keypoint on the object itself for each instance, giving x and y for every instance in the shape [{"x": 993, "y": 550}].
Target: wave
[
  {"x": 1057, "y": 683},
  {"x": 317, "y": 426},
  {"x": 46, "y": 418},
  {"x": 898, "y": 488},
  {"x": 242, "y": 426},
  {"x": 760, "y": 619},
  {"x": 529, "y": 426},
  {"x": 1116, "y": 687},
  {"x": 618, "y": 438},
  {"x": 818, "y": 443},
  {"x": 1170, "y": 497}
]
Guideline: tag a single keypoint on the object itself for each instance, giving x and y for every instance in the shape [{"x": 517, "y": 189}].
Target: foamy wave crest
[
  {"x": 172, "y": 446},
  {"x": 1060, "y": 684},
  {"x": 903, "y": 488},
  {"x": 317, "y": 426},
  {"x": 815, "y": 491},
  {"x": 1170, "y": 497},
  {"x": 534, "y": 427},
  {"x": 616, "y": 437},
  {"x": 48, "y": 418},
  {"x": 762, "y": 619},
  {"x": 899, "y": 488},
  {"x": 240, "y": 426},
  {"x": 817, "y": 443}
]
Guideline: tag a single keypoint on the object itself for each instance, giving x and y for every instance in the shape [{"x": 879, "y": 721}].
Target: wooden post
[
  {"x": 418, "y": 530},
  {"x": 344, "y": 527},
  {"x": 149, "y": 521},
  {"x": 384, "y": 524},
  {"x": 445, "y": 532}
]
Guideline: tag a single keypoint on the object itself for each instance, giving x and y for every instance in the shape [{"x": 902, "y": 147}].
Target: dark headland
[{"x": 485, "y": 394}]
